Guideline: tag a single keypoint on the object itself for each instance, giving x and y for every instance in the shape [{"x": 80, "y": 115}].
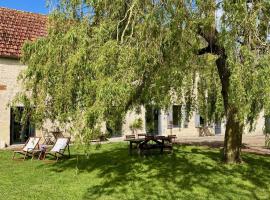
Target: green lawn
[{"x": 110, "y": 173}]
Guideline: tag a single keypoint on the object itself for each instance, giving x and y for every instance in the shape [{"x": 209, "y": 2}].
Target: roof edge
[
  {"x": 11, "y": 57},
  {"x": 24, "y": 11}
]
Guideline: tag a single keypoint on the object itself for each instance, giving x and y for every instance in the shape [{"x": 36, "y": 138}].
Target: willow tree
[{"x": 101, "y": 59}]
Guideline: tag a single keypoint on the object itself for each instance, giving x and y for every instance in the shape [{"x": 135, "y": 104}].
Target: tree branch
[
  {"x": 213, "y": 46},
  {"x": 204, "y": 50},
  {"x": 128, "y": 22}
]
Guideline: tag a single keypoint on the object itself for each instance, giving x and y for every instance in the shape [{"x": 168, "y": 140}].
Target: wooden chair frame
[
  {"x": 59, "y": 153},
  {"x": 29, "y": 151}
]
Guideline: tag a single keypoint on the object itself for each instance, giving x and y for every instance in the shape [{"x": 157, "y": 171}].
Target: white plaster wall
[
  {"x": 191, "y": 130},
  {"x": 162, "y": 123},
  {"x": 129, "y": 119}
]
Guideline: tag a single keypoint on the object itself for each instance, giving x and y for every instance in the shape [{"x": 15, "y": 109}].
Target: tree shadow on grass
[
  {"x": 212, "y": 144},
  {"x": 188, "y": 173}
]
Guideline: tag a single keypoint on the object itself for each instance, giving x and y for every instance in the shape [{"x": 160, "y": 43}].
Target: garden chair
[
  {"x": 47, "y": 137},
  {"x": 29, "y": 147},
  {"x": 59, "y": 148}
]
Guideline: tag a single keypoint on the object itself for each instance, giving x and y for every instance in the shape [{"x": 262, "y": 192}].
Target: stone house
[{"x": 16, "y": 27}]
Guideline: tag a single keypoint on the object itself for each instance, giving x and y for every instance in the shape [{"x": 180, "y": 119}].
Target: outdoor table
[
  {"x": 43, "y": 149},
  {"x": 142, "y": 144},
  {"x": 36, "y": 152},
  {"x": 132, "y": 141},
  {"x": 40, "y": 152},
  {"x": 158, "y": 143}
]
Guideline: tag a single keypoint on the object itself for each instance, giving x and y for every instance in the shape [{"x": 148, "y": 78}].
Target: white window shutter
[{"x": 197, "y": 120}]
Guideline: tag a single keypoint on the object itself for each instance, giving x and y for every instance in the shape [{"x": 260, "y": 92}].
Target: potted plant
[{"x": 136, "y": 125}]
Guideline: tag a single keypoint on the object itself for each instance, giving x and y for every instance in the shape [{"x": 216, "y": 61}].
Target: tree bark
[
  {"x": 233, "y": 138},
  {"x": 234, "y": 128}
]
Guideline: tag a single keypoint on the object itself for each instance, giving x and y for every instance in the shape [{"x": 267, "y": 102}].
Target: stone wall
[
  {"x": 190, "y": 130},
  {"x": 163, "y": 128},
  {"x": 9, "y": 71}
]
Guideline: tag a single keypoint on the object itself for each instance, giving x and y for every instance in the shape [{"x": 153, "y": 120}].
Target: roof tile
[{"x": 18, "y": 26}]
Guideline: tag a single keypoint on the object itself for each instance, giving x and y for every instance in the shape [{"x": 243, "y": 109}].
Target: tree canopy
[{"x": 101, "y": 59}]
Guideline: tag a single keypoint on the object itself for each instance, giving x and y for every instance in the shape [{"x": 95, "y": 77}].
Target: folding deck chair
[
  {"x": 59, "y": 148},
  {"x": 29, "y": 147}
]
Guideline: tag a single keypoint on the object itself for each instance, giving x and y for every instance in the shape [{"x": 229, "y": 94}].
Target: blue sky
[{"x": 35, "y": 6}]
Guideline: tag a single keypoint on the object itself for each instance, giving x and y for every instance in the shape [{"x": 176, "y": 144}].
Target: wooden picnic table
[
  {"x": 135, "y": 141},
  {"x": 157, "y": 142},
  {"x": 150, "y": 142}
]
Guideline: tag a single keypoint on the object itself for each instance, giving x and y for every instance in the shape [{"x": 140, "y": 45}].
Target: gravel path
[{"x": 251, "y": 143}]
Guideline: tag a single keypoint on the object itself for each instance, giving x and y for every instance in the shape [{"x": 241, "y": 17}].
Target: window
[{"x": 176, "y": 118}]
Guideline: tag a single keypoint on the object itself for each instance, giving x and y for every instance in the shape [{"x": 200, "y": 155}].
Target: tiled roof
[{"x": 16, "y": 27}]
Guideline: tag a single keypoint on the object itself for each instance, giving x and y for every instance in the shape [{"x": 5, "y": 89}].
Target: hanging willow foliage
[{"x": 100, "y": 59}]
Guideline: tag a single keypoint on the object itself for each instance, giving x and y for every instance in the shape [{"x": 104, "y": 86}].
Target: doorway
[
  {"x": 151, "y": 120},
  {"x": 19, "y": 133}
]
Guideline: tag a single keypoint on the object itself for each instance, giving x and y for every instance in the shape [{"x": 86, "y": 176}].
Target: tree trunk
[
  {"x": 234, "y": 128},
  {"x": 233, "y": 138}
]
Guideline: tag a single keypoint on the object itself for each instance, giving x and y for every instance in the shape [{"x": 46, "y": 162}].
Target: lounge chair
[
  {"x": 29, "y": 147},
  {"x": 59, "y": 148}
]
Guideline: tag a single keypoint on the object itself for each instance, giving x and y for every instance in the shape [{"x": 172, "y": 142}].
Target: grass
[{"x": 110, "y": 173}]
